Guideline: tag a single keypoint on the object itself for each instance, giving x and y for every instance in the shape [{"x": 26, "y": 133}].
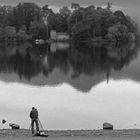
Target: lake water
[{"x": 69, "y": 89}]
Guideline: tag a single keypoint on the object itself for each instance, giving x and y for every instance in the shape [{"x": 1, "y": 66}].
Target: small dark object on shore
[
  {"x": 3, "y": 121},
  {"x": 40, "y": 134},
  {"x": 14, "y": 126},
  {"x": 107, "y": 126}
]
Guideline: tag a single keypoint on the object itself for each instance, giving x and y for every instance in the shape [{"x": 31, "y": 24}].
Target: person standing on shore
[{"x": 34, "y": 119}]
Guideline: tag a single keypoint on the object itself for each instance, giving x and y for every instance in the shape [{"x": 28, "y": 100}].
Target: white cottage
[{"x": 59, "y": 36}]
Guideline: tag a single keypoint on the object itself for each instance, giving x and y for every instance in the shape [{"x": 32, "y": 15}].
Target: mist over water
[{"x": 67, "y": 100}]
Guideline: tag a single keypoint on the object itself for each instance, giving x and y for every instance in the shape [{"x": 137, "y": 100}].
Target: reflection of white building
[
  {"x": 59, "y": 36},
  {"x": 59, "y": 46}
]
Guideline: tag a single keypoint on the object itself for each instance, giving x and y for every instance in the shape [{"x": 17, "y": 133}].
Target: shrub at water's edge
[{"x": 9, "y": 34}]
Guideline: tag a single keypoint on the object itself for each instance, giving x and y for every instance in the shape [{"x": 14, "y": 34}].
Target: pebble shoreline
[{"x": 87, "y": 133}]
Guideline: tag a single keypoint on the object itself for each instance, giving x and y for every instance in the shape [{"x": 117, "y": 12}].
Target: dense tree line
[
  {"x": 28, "y": 20},
  {"x": 100, "y": 26},
  {"x": 94, "y": 26}
]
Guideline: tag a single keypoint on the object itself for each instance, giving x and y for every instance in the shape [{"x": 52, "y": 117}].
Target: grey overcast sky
[{"x": 68, "y": 2}]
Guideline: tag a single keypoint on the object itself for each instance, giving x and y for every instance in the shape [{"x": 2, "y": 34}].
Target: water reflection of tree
[
  {"x": 21, "y": 63},
  {"x": 40, "y": 60},
  {"x": 16, "y": 63},
  {"x": 100, "y": 61},
  {"x": 59, "y": 60}
]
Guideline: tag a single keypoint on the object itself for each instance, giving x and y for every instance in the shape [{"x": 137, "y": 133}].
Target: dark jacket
[{"x": 34, "y": 114}]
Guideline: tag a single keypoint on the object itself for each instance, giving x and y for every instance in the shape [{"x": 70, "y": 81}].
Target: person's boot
[{"x": 32, "y": 131}]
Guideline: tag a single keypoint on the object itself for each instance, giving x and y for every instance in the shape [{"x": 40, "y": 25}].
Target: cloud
[{"x": 55, "y": 8}]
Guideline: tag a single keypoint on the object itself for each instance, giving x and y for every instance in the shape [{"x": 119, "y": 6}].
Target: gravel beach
[
  {"x": 23, "y": 134},
  {"x": 75, "y": 138}
]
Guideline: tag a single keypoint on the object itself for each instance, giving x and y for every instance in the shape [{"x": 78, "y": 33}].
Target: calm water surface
[{"x": 71, "y": 90}]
